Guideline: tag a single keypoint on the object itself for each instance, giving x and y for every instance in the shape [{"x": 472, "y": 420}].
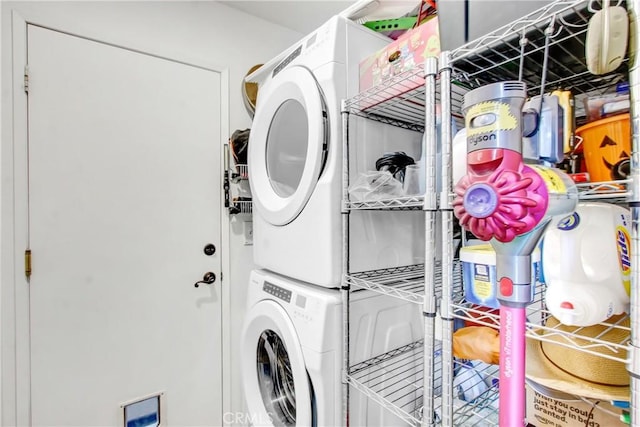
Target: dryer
[
  {"x": 291, "y": 348},
  {"x": 295, "y": 151}
]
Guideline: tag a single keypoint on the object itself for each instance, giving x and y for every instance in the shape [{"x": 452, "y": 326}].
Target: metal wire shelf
[
  {"x": 400, "y": 203},
  {"x": 537, "y": 314},
  {"x": 481, "y": 391},
  {"x": 394, "y": 380},
  {"x": 405, "y": 283},
  {"x": 241, "y": 173},
  {"x": 482, "y": 412},
  {"x": 604, "y": 190},
  {"x": 241, "y": 207},
  {"x": 496, "y": 56},
  {"x": 398, "y": 101}
]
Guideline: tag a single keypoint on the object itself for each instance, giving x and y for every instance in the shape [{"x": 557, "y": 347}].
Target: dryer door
[
  {"x": 276, "y": 385},
  {"x": 288, "y": 144}
]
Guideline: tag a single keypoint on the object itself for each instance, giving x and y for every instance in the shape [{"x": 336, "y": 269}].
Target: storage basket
[{"x": 607, "y": 145}]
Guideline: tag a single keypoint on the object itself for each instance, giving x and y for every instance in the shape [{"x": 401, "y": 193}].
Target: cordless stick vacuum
[{"x": 509, "y": 203}]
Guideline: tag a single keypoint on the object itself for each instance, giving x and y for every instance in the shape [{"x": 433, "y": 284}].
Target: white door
[{"x": 124, "y": 193}]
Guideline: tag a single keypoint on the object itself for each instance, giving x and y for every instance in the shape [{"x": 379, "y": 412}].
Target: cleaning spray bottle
[{"x": 510, "y": 204}]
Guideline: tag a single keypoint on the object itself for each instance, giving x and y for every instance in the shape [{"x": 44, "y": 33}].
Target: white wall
[{"x": 202, "y": 33}]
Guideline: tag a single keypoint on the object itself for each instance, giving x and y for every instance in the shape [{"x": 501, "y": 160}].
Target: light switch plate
[{"x": 248, "y": 233}]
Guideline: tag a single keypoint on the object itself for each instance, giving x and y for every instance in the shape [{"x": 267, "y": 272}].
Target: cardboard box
[
  {"x": 407, "y": 52},
  {"x": 543, "y": 411}
]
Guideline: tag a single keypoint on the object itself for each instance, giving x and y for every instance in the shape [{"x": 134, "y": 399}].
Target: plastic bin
[{"x": 607, "y": 147}]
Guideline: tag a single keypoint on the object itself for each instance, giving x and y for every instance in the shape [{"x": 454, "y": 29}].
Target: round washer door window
[
  {"x": 287, "y": 145},
  {"x": 275, "y": 380}
]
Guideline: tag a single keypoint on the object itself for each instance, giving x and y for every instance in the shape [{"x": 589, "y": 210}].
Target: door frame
[{"x": 15, "y": 353}]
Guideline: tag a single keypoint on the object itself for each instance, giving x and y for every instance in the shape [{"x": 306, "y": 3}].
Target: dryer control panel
[
  {"x": 277, "y": 291},
  {"x": 293, "y": 55}
]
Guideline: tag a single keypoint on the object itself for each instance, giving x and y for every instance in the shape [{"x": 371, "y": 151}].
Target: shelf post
[
  {"x": 633, "y": 7},
  {"x": 446, "y": 212},
  {"x": 345, "y": 263},
  {"x": 430, "y": 207}
]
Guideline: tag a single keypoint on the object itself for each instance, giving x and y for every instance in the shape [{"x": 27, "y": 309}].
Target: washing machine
[
  {"x": 295, "y": 151},
  {"x": 291, "y": 349}
]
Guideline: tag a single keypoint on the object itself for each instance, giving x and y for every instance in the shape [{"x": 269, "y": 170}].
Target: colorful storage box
[
  {"x": 479, "y": 274},
  {"x": 407, "y": 52}
]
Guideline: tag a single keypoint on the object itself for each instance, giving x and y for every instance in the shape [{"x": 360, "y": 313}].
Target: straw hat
[
  {"x": 250, "y": 92},
  {"x": 575, "y": 372}
]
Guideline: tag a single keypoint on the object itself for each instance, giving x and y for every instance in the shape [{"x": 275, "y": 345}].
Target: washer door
[
  {"x": 288, "y": 145},
  {"x": 276, "y": 384}
]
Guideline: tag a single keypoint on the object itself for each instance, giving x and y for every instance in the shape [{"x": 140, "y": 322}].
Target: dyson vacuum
[{"x": 509, "y": 203}]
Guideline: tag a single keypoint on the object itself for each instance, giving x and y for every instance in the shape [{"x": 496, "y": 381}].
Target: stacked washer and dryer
[{"x": 292, "y": 336}]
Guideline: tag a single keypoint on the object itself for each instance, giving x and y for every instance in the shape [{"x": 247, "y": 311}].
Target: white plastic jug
[{"x": 586, "y": 264}]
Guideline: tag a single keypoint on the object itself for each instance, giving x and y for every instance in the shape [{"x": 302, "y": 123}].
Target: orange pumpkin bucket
[{"x": 607, "y": 147}]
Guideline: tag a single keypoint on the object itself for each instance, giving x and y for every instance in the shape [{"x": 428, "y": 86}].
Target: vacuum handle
[{"x": 512, "y": 366}]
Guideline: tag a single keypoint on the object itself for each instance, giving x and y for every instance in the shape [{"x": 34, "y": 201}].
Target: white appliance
[
  {"x": 295, "y": 153},
  {"x": 291, "y": 348}
]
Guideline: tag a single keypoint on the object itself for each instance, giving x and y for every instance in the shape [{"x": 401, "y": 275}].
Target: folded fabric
[{"x": 477, "y": 343}]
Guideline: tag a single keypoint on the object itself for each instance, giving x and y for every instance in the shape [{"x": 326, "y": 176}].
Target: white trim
[
  {"x": 7, "y": 323},
  {"x": 2, "y": 251},
  {"x": 15, "y": 332},
  {"x": 19, "y": 225},
  {"x": 93, "y": 39},
  {"x": 225, "y": 262},
  {"x": 55, "y": 24}
]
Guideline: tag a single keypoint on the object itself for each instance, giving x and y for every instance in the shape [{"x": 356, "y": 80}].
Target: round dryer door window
[
  {"x": 286, "y": 152},
  {"x": 276, "y": 384},
  {"x": 288, "y": 144}
]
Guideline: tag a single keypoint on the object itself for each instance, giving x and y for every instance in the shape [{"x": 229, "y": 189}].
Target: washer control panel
[{"x": 277, "y": 291}]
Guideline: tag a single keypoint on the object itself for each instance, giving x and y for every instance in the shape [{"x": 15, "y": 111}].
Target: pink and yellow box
[{"x": 409, "y": 51}]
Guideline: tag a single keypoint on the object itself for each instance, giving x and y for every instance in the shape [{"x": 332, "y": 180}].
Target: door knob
[{"x": 207, "y": 279}]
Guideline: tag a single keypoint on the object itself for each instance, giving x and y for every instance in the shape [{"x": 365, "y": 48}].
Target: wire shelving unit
[
  {"x": 555, "y": 33},
  {"x": 398, "y": 102},
  {"x": 401, "y": 380}
]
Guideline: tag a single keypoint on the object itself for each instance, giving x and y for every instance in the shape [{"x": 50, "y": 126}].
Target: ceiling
[{"x": 302, "y": 16}]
